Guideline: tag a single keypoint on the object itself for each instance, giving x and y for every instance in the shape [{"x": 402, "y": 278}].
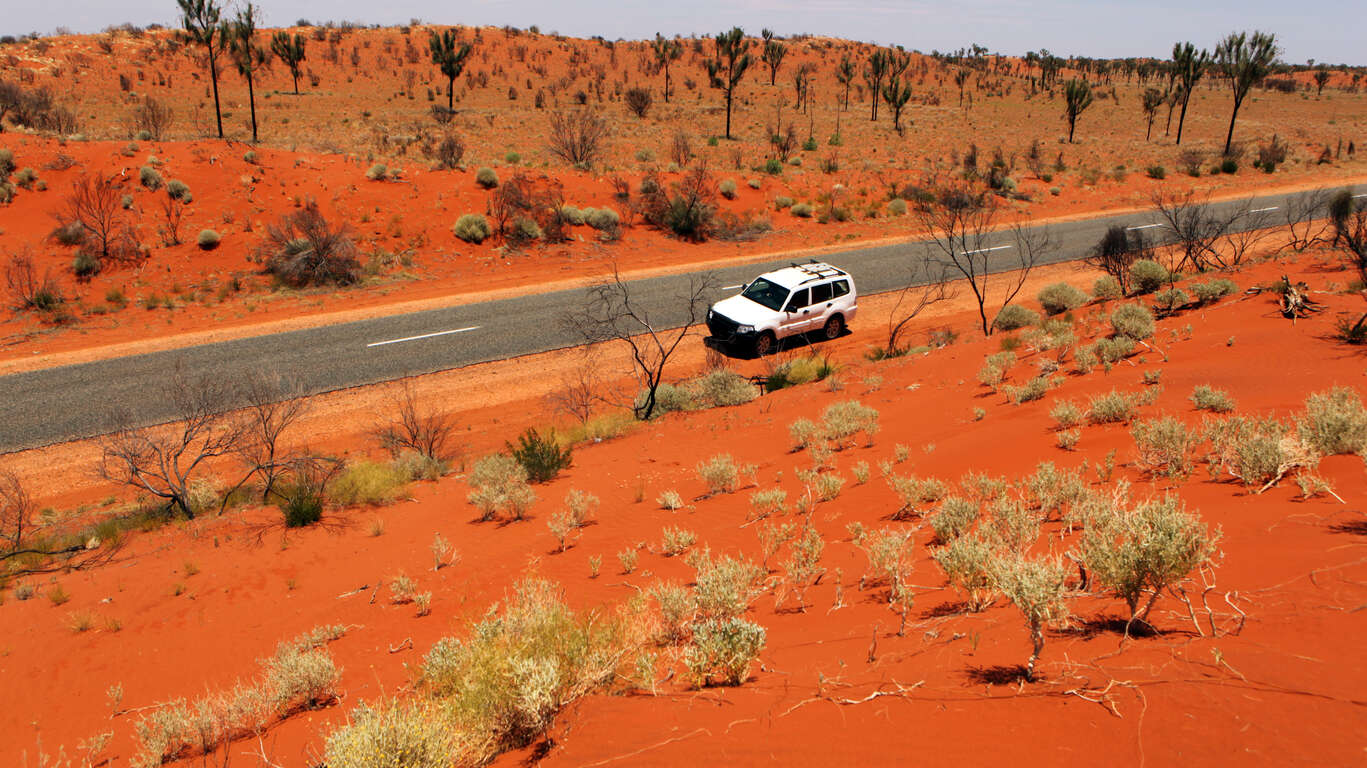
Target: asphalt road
[{"x": 49, "y": 406}]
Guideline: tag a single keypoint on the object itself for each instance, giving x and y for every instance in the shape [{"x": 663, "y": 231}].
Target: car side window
[
  {"x": 798, "y": 300},
  {"x": 821, "y": 293},
  {"x": 840, "y": 287}
]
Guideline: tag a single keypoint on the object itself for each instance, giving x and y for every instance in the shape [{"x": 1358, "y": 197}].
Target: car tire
[
  {"x": 765, "y": 344},
  {"x": 834, "y": 327}
]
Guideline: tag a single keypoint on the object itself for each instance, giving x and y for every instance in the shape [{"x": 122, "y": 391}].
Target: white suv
[{"x": 783, "y": 303}]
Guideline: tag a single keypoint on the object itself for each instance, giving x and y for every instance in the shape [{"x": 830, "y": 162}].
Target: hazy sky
[{"x": 1328, "y": 30}]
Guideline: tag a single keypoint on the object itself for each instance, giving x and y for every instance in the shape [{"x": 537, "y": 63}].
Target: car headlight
[
  {"x": 745, "y": 329},
  {"x": 711, "y": 314}
]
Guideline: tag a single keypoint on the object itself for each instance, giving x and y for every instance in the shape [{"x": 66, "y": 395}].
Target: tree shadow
[
  {"x": 1111, "y": 625},
  {"x": 947, "y": 608},
  {"x": 997, "y": 674},
  {"x": 1352, "y": 527}
]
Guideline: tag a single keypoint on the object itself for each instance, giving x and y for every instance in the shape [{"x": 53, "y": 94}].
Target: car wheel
[
  {"x": 765, "y": 344},
  {"x": 834, "y": 327}
]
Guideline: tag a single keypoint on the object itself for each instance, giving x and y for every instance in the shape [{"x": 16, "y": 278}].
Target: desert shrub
[
  {"x": 571, "y": 215},
  {"x": 69, "y": 233},
  {"x": 208, "y": 239},
  {"x": 25, "y": 178},
  {"x": 897, "y": 207},
  {"x": 1032, "y": 390},
  {"x": 1213, "y": 290},
  {"x": 1170, "y": 300},
  {"x": 842, "y": 421},
  {"x": 7, "y": 163},
  {"x": 676, "y": 541},
  {"x": 525, "y": 229},
  {"x": 412, "y": 734},
  {"x": 1053, "y": 490},
  {"x": 367, "y": 482},
  {"x": 1013, "y": 316},
  {"x": 721, "y": 389},
  {"x": 723, "y": 651},
  {"x": 1107, "y": 288},
  {"x": 1111, "y": 350},
  {"x": 804, "y": 433},
  {"x": 800, "y": 370},
  {"x": 602, "y": 219},
  {"x": 721, "y": 473},
  {"x": 149, "y": 177},
  {"x": 783, "y": 201},
  {"x": 915, "y": 494},
  {"x": 670, "y": 500},
  {"x": 84, "y": 264},
  {"x": 541, "y": 456},
  {"x": 301, "y": 504},
  {"x": 1258, "y": 452},
  {"x": 1132, "y": 321},
  {"x": 677, "y": 607},
  {"x": 726, "y": 586},
  {"x": 994, "y": 369},
  {"x": 889, "y": 556},
  {"x": 1156, "y": 172},
  {"x": 1165, "y": 446},
  {"x": 967, "y": 562},
  {"x": 668, "y": 399},
  {"x": 802, "y": 210},
  {"x": 768, "y": 502},
  {"x": 500, "y": 483},
  {"x": 485, "y": 177},
  {"x": 472, "y": 228},
  {"x": 728, "y": 189},
  {"x": 1037, "y": 588},
  {"x": 302, "y": 249},
  {"x": 1207, "y": 398},
  {"x": 1111, "y": 408},
  {"x": 249, "y": 157},
  {"x": 177, "y": 190},
  {"x": 1147, "y": 275},
  {"x": 1146, "y": 549},
  {"x": 377, "y": 172},
  {"x": 955, "y": 517},
  {"x": 1066, "y": 413},
  {"x": 1058, "y": 298},
  {"x": 501, "y": 687},
  {"x": 1334, "y": 422}
]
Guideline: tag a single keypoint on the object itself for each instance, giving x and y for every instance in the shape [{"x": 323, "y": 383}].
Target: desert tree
[
  {"x": 638, "y": 100},
  {"x": 897, "y": 93},
  {"x": 272, "y": 405},
  {"x": 1302, "y": 214},
  {"x": 163, "y": 461},
  {"x": 666, "y": 50},
  {"x": 239, "y": 35},
  {"x": 875, "y": 69},
  {"x": 802, "y": 85},
  {"x": 773, "y": 54},
  {"x": 613, "y": 311},
  {"x": 1196, "y": 229},
  {"x": 961, "y": 79},
  {"x": 414, "y": 427},
  {"x": 1037, "y": 588},
  {"x": 1321, "y": 80},
  {"x": 844, "y": 75},
  {"x": 1077, "y": 97},
  {"x": 201, "y": 20},
  {"x": 1153, "y": 99},
  {"x": 449, "y": 54},
  {"x": 726, "y": 69},
  {"x": 960, "y": 219},
  {"x": 577, "y": 136},
  {"x": 1188, "y": 66},
  {"x": 925, "y": 283},
  {"x": 16, "y": 512},
  {"x": 291, "y": 51},
  {"x": 96, "y": 206},
  {"x": 1244, "y": 60},
  {"x": 26, "y": 289}
]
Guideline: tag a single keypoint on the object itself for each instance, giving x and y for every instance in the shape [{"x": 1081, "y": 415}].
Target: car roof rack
[{"x": 818, "y": 270}]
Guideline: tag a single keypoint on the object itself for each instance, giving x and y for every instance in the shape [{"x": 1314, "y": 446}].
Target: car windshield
[{"x": 765, "y": 293}]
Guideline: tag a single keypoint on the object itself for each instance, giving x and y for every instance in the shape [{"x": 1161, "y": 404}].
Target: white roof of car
[{"x": 798, "y": 274}]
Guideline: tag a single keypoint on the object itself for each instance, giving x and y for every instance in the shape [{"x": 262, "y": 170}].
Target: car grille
[{"x": 720, "y": 325}]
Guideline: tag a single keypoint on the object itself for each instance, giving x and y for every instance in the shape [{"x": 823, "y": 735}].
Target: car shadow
[{"x": 790, "y": 344}]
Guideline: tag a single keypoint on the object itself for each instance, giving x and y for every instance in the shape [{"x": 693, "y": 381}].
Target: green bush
[
  {"x": 802, "y": 210},
  {"x": 177, "y": 189},
  {"x": 525, "y": 228},
  {"x": 955, "y": 518},
  {"x": 1207, "y": 398},
  {"x": 85, "y": 264},
  {"x": 800, "y": 370},
  {"x": 1164, "y": 445},
  {"x": 1111, "y": 408},
  {"x": 301, "y": 504},
  {"x": 968, "y": 565},
  {"x": 840, "y": 422},
  {"x": 377, "y": 172},
  {"x": 499, "y": 483},
  {"x": 602, "y": 219},
  {"x": 250, "y": 157},
  {"x": 208, "y": 239},
  {"x": 367, "y": 482},
  {"x": 485, "y": 177},
  {"x": 720, "y": 389},
  {"x": 571, "y": 215},
  {"x": 1229, "y": 165},
  {"x": 410, "y": 734},
  {"x": 1156, "y": 172},
  {"x": 1107, "y": 288},
  {"x": 1334, "y": 422},
  {"x": 773, "y": 166},
  {"x": 1213, "y": 290},
  {"x": 1148, "y": 275},
  {"x": 723, "y": 651},
  {"x": 721, "y": 474},
  {"x": 1170, "y": 300},
  {"x": 1058, "y": 298},
  {"x": 727, "y": 189},
  {"x": 1132, "y": 321},
  {"x": 897, "y": 207},
  {"x": 1112, "y": 350},
  {"x": 472, "y": 228},
  {"x": 783, "y": 201},
  {"x": 149, "y": 177},
  {"x": 1032, "y": 390},
  {"x": 541, "y": 455},
  {"x": 25, "y": 178},
  {"x": 7, "y": 165},
  {"x": 512, "y": 158},
  {"x": 1013, "y": 316},
  {"x": 1066, "y": 414}
]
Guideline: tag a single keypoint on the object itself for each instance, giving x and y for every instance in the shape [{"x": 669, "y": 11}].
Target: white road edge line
[
  {"x": 423, "y": 336},
  {"x": 1264, "y": 210},
  {"x": 985, "y": 250},
  {"x": 730, "y": 287},
  {"x": 1145, "y": 226}
]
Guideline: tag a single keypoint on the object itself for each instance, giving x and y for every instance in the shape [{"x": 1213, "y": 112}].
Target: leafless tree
[
  {"x": 16, "y": 512},
  {"x": 960, "y": 218},
  {"x": 1195, "y": 228},
  {"x": 1304, "y": 224},
  {"x": 96, "y": 205},
  {"x": 273, "y": 405},
  {"x": 22, "y": 555},
  {"x": 417, "y": 428},
  {"x": 163, "y": 460},
  {"x": 26, "y": 289},
  {"x": 612, "y": 313},
  {"x": 681, "y": 149},
  {"x": 579, "y": 389},
  {"x": 577, "y": 136},
  {"x": 1244, "y": 230},
  {"x": 172, "y": 211},
  {"x": 153, "y": 117},
  {"x": 927, "y": 283}
]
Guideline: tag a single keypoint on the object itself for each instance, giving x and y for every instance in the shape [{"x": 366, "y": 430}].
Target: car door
[
  {"x": 796, "y": 317},
  {"x": 823, "y": 300}
]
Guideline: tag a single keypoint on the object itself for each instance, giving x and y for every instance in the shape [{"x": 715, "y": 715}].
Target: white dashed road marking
[
  {"x": 422, "y": 336},
  {"x": 985, "y": 250},
  {"x": 1145, "y": 226},
  {"x": 1263, "y": 210},
  {"x": 732, "y": 287}
]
